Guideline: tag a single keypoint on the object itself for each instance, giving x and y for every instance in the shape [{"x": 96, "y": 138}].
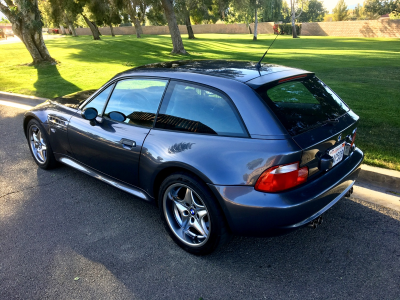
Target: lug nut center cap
[{"x": 192, "y": 212}]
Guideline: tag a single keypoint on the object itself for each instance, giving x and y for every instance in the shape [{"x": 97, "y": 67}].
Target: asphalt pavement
[{"x": 65, "y": 235}]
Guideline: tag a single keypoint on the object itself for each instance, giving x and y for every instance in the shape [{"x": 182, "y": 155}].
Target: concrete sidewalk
[{"x": 375, "y": 185}]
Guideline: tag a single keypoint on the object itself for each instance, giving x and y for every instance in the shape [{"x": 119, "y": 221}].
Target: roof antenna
[{"x": 258, "y": 65}]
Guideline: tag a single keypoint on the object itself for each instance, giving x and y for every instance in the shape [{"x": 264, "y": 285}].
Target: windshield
[{"x": 303, "y": 105}]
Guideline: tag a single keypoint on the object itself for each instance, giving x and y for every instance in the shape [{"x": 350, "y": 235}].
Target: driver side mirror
[{"x": 90, "y": 114}]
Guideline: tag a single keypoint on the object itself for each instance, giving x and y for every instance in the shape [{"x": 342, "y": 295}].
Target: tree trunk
[
  {"x": 95, "y": 32},
  {"x": 294, "y": 33},
  {"x": 176, "y": 38},
  {"x": 97, "y": 28},
  {"x": 31, "y": 36},
  {"x": 255, "y": 25},
  {"x": 112, "y": 30},
  {"x": 188, "y": 23},
  {"x": 138, "y": 28},
  {"x": 72, "y": 29},
  {"x": 134, "y": 18},
  {"x": 62, "y": 30}
]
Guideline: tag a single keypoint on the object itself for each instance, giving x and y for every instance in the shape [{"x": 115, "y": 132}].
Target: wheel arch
[
  {"x": 171, "y": 169},
  {"x": 26, "y": 121}
]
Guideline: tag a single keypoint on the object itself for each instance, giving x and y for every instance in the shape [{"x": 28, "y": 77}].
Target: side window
[
  {"x": 194, "y": 108},
  {"x": 100, "y": 100},
  {"x": 137, "y": 100}
]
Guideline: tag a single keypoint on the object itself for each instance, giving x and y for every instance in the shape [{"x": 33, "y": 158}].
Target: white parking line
[{"x": 16, "y": 105}]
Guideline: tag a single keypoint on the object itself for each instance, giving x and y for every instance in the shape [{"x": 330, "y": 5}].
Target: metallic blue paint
[{"x": 229, "y": 165}]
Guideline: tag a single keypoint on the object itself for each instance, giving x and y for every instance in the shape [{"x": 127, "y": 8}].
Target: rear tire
[
  {"x": 191, "y": 214},
  {"x": 39, "y": 145}
]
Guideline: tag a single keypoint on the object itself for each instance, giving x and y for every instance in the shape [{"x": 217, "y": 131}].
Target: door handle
[{"x": 128, "y": 144}]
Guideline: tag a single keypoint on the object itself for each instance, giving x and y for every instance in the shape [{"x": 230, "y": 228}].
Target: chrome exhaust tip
[{"x": 350, "y": 191}]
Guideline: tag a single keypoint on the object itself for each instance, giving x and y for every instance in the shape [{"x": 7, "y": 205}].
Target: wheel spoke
[
  {"x": 35, "y": 137},
  {"x": 202, "y": 213},
  {"x": 188, "y": 200},
  {"x": 196, "y": 225},
  {"x": 42, "y": 154}
]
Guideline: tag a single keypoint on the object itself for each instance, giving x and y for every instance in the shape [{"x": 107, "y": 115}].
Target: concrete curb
[
  {"x": 380, "y": 177},
  {"x": 17, "y": 96}
]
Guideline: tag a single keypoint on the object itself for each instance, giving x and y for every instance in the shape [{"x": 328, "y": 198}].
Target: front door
[{"x": 114, "y": 143}]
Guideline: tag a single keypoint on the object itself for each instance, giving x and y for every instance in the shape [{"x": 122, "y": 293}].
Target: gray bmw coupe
[{"x": 221, "y": 147}]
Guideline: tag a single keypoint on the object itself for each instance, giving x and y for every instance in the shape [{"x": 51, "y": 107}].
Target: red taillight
[{"x": 280, "y": 178}]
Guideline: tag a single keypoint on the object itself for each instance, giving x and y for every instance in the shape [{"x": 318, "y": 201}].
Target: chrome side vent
[{"x": 57, "y": 122}]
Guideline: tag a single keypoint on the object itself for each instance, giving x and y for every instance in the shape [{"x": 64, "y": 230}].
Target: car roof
[{"x": 243, "y": 71}]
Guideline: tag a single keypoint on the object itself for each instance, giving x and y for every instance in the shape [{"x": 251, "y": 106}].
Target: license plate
[{"x": 337, "y": 153}]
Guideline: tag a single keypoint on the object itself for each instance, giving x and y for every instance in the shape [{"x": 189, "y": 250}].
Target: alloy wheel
[
  {"x": 38, "y": 145},
  {"x": 186, "y": 215}
]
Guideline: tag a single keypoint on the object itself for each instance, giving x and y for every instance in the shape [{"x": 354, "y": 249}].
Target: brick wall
[
  {"x": 206, "y": 28},
  {"x": 373, "y": 28}
]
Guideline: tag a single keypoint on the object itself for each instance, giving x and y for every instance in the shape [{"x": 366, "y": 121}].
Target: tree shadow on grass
[{"x": 50, "y": 82}]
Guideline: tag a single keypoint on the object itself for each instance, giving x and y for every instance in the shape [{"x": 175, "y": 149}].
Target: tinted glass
[
  {"x": 303, "y": 105},
  {"x": 194, "y": 108},
  {"x": 137, "y": 99},
  {"x": 100, "y": 100}
]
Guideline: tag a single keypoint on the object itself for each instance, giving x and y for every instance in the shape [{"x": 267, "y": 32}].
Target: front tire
[
  {"x": 191, "y": 214},
  {"x": 40, "y": 146}
]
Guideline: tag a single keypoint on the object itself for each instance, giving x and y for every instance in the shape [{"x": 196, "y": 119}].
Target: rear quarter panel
[{"x": 217, "y": 160}]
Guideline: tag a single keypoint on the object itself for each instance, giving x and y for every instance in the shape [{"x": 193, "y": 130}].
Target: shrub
[
  {"x": 276, "y": 29},
  {"x": 287, "y": 28}
]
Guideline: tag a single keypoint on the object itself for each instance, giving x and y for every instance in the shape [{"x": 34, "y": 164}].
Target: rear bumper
[{"x": 250, "y": 212}]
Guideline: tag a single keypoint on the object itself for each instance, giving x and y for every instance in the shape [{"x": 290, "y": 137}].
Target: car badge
[
  {"x": 192, "y": 211},
  {"x": 339, "y": 138}
]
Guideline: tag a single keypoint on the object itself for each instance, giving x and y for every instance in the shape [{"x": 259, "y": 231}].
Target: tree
[
  {"x": 285, "y": 13},
  {"x": 55, "y": 14},
  {"x": 198, "y": 9},
  {"x": 219, "y": 9},
  {"x": 176, "y": 38},
  {"x": 156, "y": 15},
  {"x": 314, "y": 11},
  {"x": 340, "y": 11},
  {"x": 382, "y": 7},
  {"x": 137, "y": 10},
  {"x": 295, "y": 6},
  {"x": 4, "y": 20},
  {"x": 25, "y": 18},
  {"x": 270, "y": 11},
  {"x": 106, "y": 12},
  {"x": 247, "y": 11}
]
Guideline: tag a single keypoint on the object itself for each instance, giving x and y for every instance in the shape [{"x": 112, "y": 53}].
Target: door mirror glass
[
  {"x": 89, "y": 113},
  {"x": 117, "y": 116}
]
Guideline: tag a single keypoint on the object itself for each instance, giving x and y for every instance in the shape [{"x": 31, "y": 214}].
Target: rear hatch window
[{"x": 302, "y": 105}]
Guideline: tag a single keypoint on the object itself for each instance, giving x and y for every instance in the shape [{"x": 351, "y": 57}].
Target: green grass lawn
[{"x": 364, "y": 72}]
